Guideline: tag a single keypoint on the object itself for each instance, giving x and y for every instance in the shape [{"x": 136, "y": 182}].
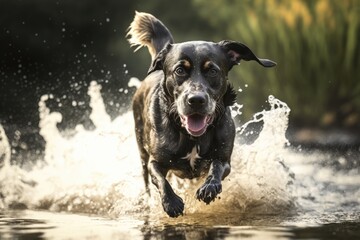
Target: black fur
[{"x": 181, "y": 110}]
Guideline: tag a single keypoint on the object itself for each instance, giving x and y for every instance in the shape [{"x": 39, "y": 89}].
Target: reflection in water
[
  {"x": 45, "y": 225},
  {"x": 272, "y": 186}
]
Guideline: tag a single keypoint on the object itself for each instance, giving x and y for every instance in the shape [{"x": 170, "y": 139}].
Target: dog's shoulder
[
  {"x": 148, "y": 86},
  {"x": 151, "y": 81}
]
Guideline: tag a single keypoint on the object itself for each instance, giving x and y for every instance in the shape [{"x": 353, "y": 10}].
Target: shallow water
[
  {"x": 88, "y": 185},
  {"x": 48, "y": 225}
]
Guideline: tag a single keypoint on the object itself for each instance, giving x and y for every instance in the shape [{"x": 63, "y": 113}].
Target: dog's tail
[{"x": 147, "y": 30}]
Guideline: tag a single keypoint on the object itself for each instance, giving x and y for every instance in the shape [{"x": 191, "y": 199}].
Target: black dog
[{"x": 181, "y": 110}]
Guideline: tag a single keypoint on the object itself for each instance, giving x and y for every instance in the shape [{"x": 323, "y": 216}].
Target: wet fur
[{"x": 164, "y": 143}]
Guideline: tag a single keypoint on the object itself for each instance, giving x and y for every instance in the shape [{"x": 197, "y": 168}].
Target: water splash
[
  {"x": 264, "y": 178},
  {"x": 99, "y": 171},
  {"x": 5, "y": 153},
  {"x": 91, "y": 170},
  {"x": 14, "y": 183}
]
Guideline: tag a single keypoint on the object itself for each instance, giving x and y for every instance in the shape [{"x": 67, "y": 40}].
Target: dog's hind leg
[
  {"x": 145, "y": 161},
  {"x": 143, "y": 154},
  {"x": 139, "y": 133}
]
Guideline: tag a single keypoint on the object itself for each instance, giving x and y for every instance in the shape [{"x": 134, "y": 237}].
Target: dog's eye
[
  {"x": 213, "y": 72},
  {"x": 180, "y": 71}
]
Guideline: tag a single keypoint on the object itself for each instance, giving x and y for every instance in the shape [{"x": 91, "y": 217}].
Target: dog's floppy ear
[
  {"x": 237, "y": 51},
  {"x": 158, "y": 61}
]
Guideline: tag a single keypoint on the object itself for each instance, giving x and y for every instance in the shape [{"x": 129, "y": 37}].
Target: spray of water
[
  {"x": 261, "y": 175},
  {"x": 99, "y": 171}
]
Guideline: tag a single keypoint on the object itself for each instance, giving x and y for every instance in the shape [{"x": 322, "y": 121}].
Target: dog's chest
[{"x": 193, "y": 156}]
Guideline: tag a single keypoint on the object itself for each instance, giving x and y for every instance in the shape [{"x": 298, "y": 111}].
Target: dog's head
[{"x": 195, "y": 79}]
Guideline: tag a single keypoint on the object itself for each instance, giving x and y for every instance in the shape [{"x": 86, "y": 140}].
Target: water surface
[{"x": 87, "y": 184}]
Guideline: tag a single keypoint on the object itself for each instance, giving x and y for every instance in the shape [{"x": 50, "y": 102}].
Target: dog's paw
[
  {"x": 173, "y": 205},
  {"x": 209, "y": 191}
]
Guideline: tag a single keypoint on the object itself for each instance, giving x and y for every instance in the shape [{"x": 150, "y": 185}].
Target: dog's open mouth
[{"x": 196, "y": 124}]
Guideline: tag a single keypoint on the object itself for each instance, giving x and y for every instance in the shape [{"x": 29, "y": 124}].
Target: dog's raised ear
[
  {"x": 237, "y": 51},
  {"x": 158, "y": 62}
]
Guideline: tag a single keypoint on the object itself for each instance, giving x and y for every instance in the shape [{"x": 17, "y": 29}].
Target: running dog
[{"x": 181, "y": 110}]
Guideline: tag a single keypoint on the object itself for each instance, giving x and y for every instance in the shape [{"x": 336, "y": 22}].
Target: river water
[{"x": 88, "y": 185}]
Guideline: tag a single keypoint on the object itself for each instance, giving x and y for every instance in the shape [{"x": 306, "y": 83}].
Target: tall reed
[{"x": 316, "y": 46}]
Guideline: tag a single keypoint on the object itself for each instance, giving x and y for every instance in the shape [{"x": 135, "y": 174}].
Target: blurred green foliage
[{"x": 316, "y": 46}]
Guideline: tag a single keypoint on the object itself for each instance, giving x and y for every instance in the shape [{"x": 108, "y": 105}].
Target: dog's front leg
[
  {"x": 173, "y": 205},
  {"x": 212, "y": 186}
]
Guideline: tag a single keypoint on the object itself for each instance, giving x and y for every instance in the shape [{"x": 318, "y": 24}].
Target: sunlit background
[{"x": 315, "y": 43}]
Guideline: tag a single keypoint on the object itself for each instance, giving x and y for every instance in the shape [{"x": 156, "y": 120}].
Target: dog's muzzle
[{"x": 198, "y": 115}]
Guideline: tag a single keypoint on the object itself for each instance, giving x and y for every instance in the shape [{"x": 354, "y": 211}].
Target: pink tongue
[{"x": 196, "y": 122}]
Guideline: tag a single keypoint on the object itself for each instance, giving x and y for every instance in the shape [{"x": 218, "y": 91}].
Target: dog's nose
[{"x": 197, "y": 100}]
